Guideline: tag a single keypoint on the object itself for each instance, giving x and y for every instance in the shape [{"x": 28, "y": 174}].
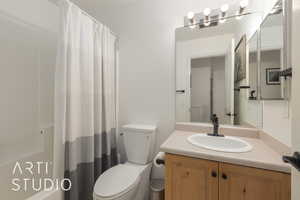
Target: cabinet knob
[
  {"x": 224, "y": 176},
  {"x": 214, "y": 174}
]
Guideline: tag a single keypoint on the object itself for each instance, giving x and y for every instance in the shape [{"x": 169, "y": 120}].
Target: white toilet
[{"x": 130, "y": 181}]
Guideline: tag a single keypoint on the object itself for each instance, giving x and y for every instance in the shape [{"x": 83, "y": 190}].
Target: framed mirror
[
  {"x": 208, "y": 79},
  {"x": 253, "y": 113},
  {"x": 272, "y": 58}
]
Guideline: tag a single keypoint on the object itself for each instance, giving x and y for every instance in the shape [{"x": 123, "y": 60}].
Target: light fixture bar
[
  {"x": 212, "y": 17},
  {"x": 191, "y": 19},
  {"x": 225, "y": 18}
]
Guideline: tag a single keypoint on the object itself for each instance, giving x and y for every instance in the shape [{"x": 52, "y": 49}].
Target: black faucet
[{"x": 215, "y": 121}]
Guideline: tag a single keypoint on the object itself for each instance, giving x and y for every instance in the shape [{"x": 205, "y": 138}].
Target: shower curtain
[{"x": 85, "y": 98}]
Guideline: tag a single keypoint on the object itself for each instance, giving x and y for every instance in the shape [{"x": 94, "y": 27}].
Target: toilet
[{"x": 130, "y": 181}]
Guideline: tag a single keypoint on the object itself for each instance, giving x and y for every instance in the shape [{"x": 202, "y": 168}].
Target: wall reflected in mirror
[
  {"x": 206, "y": 74},
  {"x": 251, "y": 107},
  {"x": 207, "y": 88},
  {"x": 253, "y": 66}
]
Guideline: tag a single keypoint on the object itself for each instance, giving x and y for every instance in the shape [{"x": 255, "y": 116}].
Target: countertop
[{"x": 262, "y": 156}]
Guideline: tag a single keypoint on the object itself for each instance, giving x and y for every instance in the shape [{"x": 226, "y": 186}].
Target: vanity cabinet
[
  {"x": 191, "y": 179},
  {"x": 197, "y": 179},
  {"x": 243, "y": 183}
]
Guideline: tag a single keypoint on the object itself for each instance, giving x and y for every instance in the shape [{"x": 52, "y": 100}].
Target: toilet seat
[{"x": 117, "y": 181}]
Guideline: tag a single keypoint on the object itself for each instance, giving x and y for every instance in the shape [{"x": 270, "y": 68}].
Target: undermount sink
[{"x": 223, "y": 144}]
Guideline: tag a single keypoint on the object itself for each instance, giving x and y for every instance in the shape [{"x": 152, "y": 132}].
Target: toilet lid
[{"x": 116, "y": 181}]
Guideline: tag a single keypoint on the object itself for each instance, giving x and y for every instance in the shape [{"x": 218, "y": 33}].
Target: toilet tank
[{"x": 139, "y": 142}]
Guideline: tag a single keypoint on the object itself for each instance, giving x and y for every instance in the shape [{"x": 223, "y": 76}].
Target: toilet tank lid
[{"x": 140, "y": 127}]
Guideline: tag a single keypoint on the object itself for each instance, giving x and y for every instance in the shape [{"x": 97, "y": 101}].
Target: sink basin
[{"x": 223, "y": 144}]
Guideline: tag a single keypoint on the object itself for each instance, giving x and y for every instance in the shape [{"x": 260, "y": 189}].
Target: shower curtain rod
[
  {"x": 92, "y": 18},
  {"x": 96, "y": 21}
]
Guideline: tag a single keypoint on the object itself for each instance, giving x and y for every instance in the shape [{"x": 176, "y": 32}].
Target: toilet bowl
[
  {"x": 123, "y": 182},
  {"x": 130, "y": 181}
]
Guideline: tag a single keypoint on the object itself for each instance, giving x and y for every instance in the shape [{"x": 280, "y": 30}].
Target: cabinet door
[
  {"x": 190, "y": 178},
  {"x": 245, "y": 183}
]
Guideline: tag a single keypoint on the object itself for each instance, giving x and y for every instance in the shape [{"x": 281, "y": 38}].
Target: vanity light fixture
[
  {"x": 206, "y": 13},
  {"x": 209, "y": 18},
  {"x": 224, "y": 9},
  {"x": 191, "y": 19}
]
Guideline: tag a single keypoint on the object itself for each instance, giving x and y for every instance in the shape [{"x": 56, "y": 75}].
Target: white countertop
[{"x": 262, "y": 156}]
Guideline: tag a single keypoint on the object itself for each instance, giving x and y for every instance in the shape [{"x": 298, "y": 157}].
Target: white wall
[
  {"x": 296, "y": 96},
  {"x": 201, "y": 71},
  {"x": 218, "y": 65},
  {"x": 27, "y": 58},
  {"x": 41, "y": 13},
  {"x": 271, "y": 38},
  {"x": 200, "y": 90},
  {"x": 277, "y": 120},
  {"x": 27, "y": 84}
]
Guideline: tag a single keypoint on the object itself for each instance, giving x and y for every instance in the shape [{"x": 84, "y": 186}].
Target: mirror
[
  {"x": 252, "y": 115},
  {"x": 271, "y": 55},
  {"x": 211, "y": 73}
]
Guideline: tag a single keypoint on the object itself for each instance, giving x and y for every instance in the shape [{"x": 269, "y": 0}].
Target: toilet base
[{"x": 143, "y": 192}]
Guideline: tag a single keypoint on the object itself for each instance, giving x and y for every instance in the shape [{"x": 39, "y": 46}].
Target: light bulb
[
  {"x": 190, "y": 15},
  {"x": 244, "y": 3},
  {"x": 207, "y": 11},
  {"x": 224, "y": 8}
]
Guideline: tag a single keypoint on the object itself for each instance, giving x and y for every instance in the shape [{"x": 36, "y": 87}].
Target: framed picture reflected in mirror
[
  {"x": 273, "y": 76},
  {"x": 240, "y": 60}
]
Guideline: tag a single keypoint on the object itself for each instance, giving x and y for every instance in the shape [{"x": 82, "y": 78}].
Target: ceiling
[{"x": 139, "y": 12}]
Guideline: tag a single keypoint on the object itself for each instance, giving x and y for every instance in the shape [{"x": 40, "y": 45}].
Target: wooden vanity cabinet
[
  {"x": 197, "y": 179},
  {"x": 246, "y": 183},
  {"x": 190, "y": 179}
]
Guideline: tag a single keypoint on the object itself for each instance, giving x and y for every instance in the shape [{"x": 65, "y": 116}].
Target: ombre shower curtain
[{"x": 85, "y": 98}]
